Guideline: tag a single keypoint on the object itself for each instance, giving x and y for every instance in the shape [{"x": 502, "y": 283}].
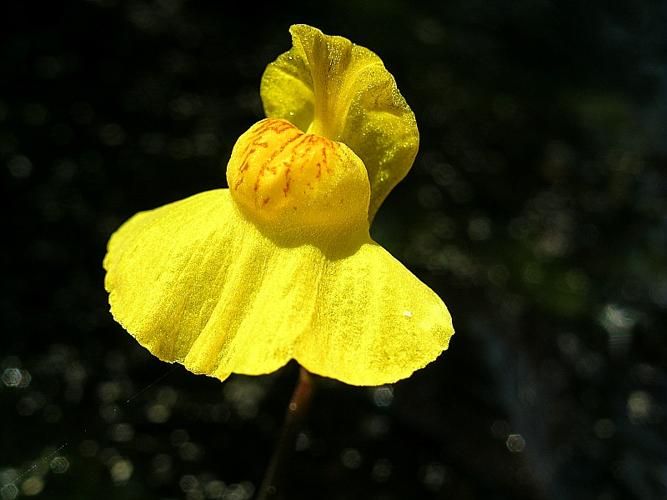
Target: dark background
[{"x": 536, "y": 209}]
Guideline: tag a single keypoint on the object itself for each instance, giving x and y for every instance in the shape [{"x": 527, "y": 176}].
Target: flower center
[{"x": 283, "y": 176}]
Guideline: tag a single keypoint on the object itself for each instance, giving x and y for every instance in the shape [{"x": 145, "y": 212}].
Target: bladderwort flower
[{"x": 281, "y": 265}]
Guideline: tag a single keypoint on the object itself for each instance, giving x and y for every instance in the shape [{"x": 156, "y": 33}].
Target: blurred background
[{"x": 536, "y": 208}]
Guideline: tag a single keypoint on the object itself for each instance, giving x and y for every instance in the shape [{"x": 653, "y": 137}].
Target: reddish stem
[{"x": 273, "y": 484}]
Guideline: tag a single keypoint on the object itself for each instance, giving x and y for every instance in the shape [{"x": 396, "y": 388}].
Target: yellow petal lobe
[
  {"x": 331, "y": 87},
  {"x": 375, "y": 322},
  {"x": 197, "y": 283}
]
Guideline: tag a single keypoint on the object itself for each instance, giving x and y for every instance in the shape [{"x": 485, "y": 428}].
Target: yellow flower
[{"x": 281, "y": 266}]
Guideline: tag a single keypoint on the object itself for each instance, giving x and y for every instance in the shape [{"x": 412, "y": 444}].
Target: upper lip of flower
[{"x": 330, "y": 86}]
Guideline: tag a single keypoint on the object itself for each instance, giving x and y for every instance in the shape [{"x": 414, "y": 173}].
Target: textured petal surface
[
  {"x": 375, "y": 322},
  {"x": 292, "y": 181},
  {"x": 330, "y": 86},
  {"x": 194, "y": 282},
  {"x": 197, "y": 283}
]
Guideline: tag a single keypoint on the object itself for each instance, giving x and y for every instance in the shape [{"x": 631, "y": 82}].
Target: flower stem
[{"x": 272, "y": 484}]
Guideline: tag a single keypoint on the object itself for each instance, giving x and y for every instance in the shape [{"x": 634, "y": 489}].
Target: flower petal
[
  {"x": 196, "y": 283},
  {"x": 375, "y": 322},
  {"x": 329, "y": 86}
]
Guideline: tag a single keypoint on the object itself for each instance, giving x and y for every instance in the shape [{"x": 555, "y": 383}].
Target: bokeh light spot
[{"x": 515, "y": 443}]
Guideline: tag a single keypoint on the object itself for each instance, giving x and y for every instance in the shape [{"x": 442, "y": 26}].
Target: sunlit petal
[{"x": 330, "y": 86}]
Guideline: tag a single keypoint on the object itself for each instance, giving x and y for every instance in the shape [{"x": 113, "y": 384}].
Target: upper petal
[{"x": 330, "y": 86}]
